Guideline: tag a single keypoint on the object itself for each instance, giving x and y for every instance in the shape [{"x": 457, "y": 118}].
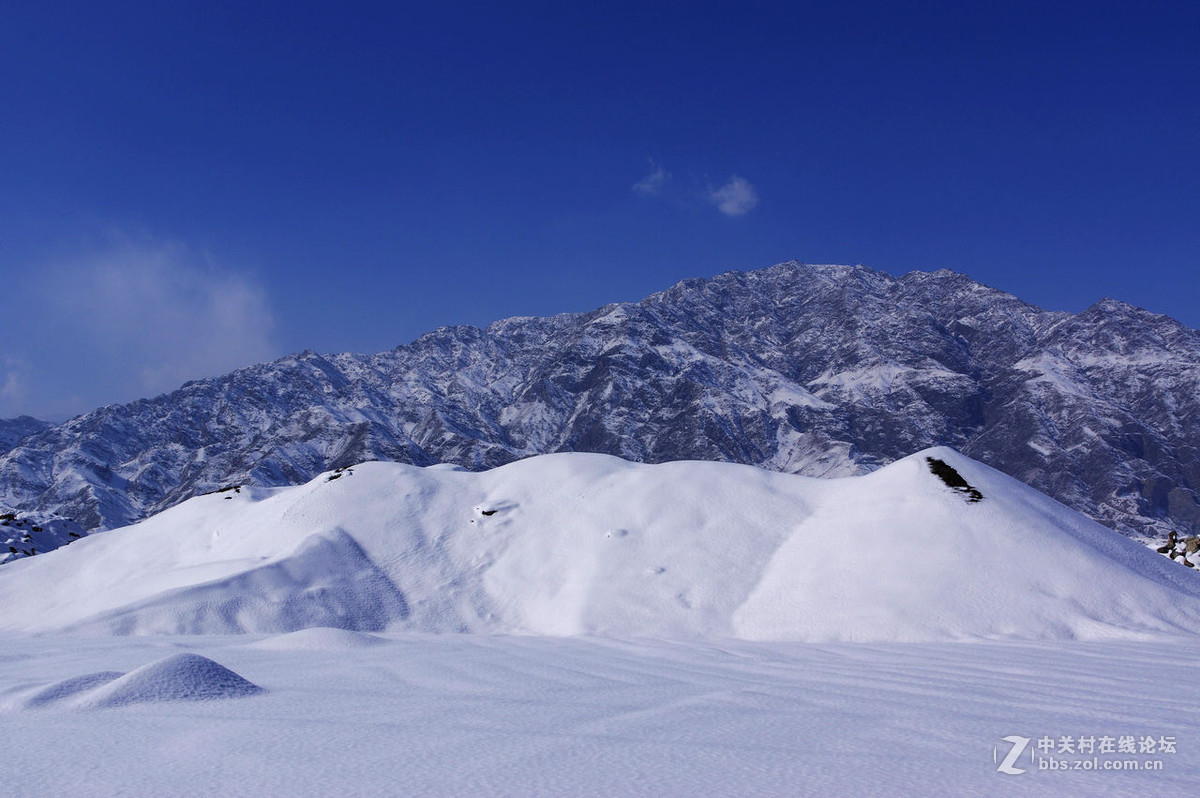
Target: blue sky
[{"x": 189, "y": 187}]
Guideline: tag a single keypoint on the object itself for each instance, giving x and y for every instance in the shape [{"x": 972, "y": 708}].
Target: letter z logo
[{"x": 1018, "y": 748}]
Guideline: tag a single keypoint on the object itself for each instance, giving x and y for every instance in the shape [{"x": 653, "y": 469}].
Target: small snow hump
[
  {"x": 66, "y": 690},
  {"x": 181, "y": 677},
  {"x": 319, "y": 638}
]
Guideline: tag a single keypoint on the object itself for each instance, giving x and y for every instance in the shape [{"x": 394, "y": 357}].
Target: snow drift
[
  {"x": 573, "y": 544},
  {"x": 180, "y": 677}
]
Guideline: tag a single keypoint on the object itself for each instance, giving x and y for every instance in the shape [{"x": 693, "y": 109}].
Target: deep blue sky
[{"x": 188, "y": 187}]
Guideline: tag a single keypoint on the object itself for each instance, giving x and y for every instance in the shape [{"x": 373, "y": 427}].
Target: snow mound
[
  {"x": 932, "y": 547},
  {"x": 68, "y": 689},
  {"x": 180, "y": 677},
  {"x": 320, "y": 638}
]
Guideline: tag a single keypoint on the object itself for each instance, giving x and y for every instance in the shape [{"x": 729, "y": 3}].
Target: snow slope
[{"x": 573, "y": 544}]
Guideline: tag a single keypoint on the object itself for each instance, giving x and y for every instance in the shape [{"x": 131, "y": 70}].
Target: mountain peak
[{"x": 825, "y": 370}]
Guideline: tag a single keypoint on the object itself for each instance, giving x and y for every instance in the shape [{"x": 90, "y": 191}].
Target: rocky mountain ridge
[
  {"x": 15, "y": 430},
  {"x": 818, "y": 370}
]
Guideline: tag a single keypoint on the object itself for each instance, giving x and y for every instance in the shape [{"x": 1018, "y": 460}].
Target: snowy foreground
[
  {"x": 580, "y": 625},
  {"x": 347, "y": 713}
]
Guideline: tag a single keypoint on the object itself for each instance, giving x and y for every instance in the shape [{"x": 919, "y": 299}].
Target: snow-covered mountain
[
  {"x": 15, "y": 430},
  {"x": 572, "y": 544},
  {"x": 817, "y": 370}
]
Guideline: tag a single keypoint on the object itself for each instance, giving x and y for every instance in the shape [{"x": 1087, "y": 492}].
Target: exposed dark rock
[{"x": 949, "y": 475}]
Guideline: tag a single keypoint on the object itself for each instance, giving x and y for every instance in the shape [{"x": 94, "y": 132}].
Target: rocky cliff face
[{"x": 819, "y": 370}]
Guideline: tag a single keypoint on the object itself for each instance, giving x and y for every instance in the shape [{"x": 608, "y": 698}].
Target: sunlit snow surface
[
  {"x": 683, "y": 629},
  {"x": 344, "y": 713},
  {"x": 573, "y": 544}
]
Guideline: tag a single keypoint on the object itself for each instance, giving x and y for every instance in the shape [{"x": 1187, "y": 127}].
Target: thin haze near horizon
[{"x": 187, "y": 188}]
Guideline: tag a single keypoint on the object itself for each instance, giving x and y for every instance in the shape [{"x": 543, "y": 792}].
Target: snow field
[
  {"x": 540, "y": 716},
  {"x": 679, "y": 629}
]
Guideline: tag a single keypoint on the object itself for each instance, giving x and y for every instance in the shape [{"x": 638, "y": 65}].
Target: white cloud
[
  {"x": 12, "y": 382},
  {"x": 652, "y": 184},
  {"x": 151, "y": 316},
  {"x": 736, "y": 198}
]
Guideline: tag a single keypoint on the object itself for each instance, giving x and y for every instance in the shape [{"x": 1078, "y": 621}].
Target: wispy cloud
[
  {"x": 12, "y": 381},
  {"x": 736, "y": 198},
  {"x": 652, "y": 184},
  {"x": 172, "y": 315},
  {"x": 130, "y": 319}
]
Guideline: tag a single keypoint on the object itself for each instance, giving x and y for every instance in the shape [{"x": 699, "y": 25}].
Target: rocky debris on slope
[
  {"x": 1186, "y": 551},
  {"x": 24, "y": 534}
]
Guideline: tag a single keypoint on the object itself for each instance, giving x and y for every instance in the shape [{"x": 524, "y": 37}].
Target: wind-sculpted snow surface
[
  {"x": 818, "y": 370},
  {"x": 578, "y": 544}
]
